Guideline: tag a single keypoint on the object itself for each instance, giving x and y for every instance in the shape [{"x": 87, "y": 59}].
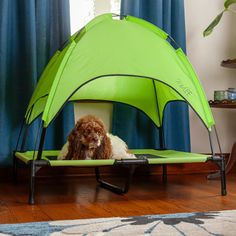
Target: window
[
  {"x": 115, "y": 6},
  {"x": 82, "y": 11}
]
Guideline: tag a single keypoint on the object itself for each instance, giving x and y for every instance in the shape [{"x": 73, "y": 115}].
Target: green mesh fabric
[{"x": 153, "y": 156}]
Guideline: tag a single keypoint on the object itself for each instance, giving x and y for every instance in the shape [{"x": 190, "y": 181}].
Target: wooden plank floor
[{"x": 75, "y": 198}]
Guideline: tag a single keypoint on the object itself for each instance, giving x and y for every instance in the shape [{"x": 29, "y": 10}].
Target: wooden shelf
[{"x": 230, "y": 105}]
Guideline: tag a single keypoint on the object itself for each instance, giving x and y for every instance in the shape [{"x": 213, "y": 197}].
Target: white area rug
[{"x": 202, "y": 223}]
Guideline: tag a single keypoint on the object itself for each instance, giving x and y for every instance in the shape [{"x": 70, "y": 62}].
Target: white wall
[{"x": 206, "y": 55}]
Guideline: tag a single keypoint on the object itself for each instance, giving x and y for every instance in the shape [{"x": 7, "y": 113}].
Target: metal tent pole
[
  {"x": 161, "y": 137},
  {"x": 220, "y": 161}
]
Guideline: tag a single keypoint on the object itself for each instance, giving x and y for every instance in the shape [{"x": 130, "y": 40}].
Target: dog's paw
[{"x": 62, "y": 154}]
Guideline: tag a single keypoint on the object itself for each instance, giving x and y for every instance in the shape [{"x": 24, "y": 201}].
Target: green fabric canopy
[{"x": 128, "y": 61}]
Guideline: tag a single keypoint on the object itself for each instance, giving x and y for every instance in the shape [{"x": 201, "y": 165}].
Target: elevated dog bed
[
  {"x": 151, "y": 155},
  {"x": 124, "y": 60}
]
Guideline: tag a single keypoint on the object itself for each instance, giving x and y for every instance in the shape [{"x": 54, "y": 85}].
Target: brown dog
[{"x": 88, "y": 140}]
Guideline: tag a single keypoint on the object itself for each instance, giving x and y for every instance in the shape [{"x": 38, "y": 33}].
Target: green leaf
[
  {"x": 215, "y": 22},
  {"x": 228, "y": 3}
]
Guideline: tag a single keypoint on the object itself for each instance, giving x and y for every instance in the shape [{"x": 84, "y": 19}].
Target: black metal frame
[
  {"x": 130, "y": 164},
  {"x": 220, "y": 162},
  {"x": 35, "y": 166},
  {"x": 115, "y": 188}
]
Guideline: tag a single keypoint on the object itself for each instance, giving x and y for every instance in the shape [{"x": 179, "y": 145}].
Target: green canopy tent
[{"x": 129, "y": 61}]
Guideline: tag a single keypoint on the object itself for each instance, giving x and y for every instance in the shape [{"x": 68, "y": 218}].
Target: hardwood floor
[{"x": 75, "y": 198}]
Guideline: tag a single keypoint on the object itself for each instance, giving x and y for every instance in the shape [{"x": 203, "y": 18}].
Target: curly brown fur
[{"x": 88, "y": 140}]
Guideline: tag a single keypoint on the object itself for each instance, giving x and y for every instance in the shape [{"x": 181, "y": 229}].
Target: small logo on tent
[{"x": 184, "y": 88}]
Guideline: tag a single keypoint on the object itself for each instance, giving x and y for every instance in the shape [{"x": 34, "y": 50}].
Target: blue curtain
[
  {"x": 132, "y": 125},
  {"x": 30, "y": 32}
]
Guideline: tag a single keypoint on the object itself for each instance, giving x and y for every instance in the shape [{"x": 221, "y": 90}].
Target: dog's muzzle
[{"x": 96, "y": 143}]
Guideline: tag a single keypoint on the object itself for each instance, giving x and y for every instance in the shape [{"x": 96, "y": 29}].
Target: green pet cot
[{"x": 126, "y": 60}]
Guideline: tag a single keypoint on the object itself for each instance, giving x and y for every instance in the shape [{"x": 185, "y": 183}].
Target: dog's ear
[
  {"x": 79, "y": 153},
  {"x": 74, "y": 147},
  {"x": 70, "y": 146},
  {"x": 104, "y": 151}
]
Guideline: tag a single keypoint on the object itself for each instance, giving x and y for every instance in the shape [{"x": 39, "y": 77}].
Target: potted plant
[{"x": 214, "y": 23}]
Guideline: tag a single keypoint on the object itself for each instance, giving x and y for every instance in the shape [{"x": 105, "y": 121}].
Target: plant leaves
[
  {"x": 215, "y": 22},
  {"x": 228, "y": 3}
]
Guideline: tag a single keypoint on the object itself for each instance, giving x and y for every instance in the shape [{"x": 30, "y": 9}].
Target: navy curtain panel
[
  {"x": 30, "y": 32},
  {"x": 132, "y": 125}
]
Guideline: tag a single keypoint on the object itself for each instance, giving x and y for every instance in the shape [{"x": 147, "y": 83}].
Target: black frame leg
[
  {"x": 223, "y": 177},
  {"x": 164, "y": 173},
  {"x": 115, "y": 188},
  {"x": 15, "y": 169},
  {"x": 220, "y": 161},
  {"x": 32, "y": 182}
]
